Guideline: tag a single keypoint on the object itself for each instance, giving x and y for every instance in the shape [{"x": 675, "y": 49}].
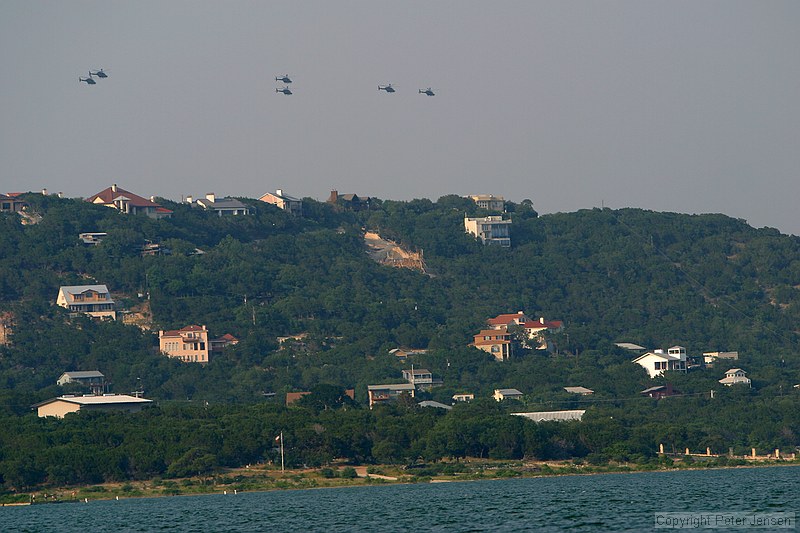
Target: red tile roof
[
  {"x": 108, "y": 195},
  {"x": 500, "y": 320}
]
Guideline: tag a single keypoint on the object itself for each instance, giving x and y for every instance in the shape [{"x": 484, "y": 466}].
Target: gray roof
[
  {"x": 578, "y": 390},
  {"x": 397, "y": 386},
  {"x": 509, "y": 392},
  {"x": 630, "y": 346},
  {"x": 83, "y": 374},
  {"x": 70, "y": 290},
  {"x": 77, "y": 289},
  {"x": 431, "y": 403},
  {"x": 554, "y": 416},
  {"x": 222, "y": 203}
]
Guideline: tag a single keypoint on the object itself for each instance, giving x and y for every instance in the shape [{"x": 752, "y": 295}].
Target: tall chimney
[
  {"x": 114, "y": 188},
  {"x": 189, "y": 200},
  {"x": 279, "y": 192}
]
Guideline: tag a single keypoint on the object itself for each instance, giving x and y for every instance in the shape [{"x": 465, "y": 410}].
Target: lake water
[{"x": 613, "y": 502}]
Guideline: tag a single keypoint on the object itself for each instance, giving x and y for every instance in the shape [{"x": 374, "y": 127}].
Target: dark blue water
[{"x": 615, "y": 502}]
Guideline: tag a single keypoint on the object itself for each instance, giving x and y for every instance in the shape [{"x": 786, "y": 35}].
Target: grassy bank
[{"x": 266, "y": 478}]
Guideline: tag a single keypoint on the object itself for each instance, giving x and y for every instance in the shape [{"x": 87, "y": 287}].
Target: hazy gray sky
[{"x": 688, "y": 106}]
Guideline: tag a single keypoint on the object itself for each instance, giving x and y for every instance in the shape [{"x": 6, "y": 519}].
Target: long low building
[
  {"x": 553, "y": 416},
  {"x": 62, "y": 405}
]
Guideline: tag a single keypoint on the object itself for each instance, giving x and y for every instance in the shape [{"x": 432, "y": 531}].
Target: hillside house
[
  {"x": 658, "y": 362},
  {"x": 290, "y": 204},
  {"x": 63, "y": 405},
  {"x": 631, "y": 347},
  {"x": 189, "y": 344},
  {"x": 421, "y": 378},
  {"x": 92, "y": 300},
  {"x": 660, "y": 391},
  {"x": 350, "y": 201},
  {"x": 463, "y": 397},
  {"x": 491, "y": 230},
  {"x": 404, "y": 353},
  {"x": 92, "y": 379},
  {"x": 387, "y": 393},
  {"x": 735, "y": 376},
  {"x": 92, "y": 238},
  {"x": 495, "y": 342},
  {"x": 582, "y": 391},
  {"x": 129, "y": 203},
  {"x": 534, "y": 329},
  {"x": 489, "y": 202},
  {"x": 507, "y": 394},
  {"x": 709, "y": 358},
  {"x": 553, "y": 416},
  {"x": 220, "y": 343},
  {"x": 10, "y": 203},
  {"x": 221, "y": 206}
]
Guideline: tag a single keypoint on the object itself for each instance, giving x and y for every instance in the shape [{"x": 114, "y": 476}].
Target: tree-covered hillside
[{"x": 657, "y": 279}]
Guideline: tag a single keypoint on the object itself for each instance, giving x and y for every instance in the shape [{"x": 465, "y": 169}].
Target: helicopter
[
  {"x": 285, "y": 90},
  {"x": 99, "y": 73},
  {"x": 427, "y": 91},
  {"x": 284, "y": 79},
  {"x": 387, "y": 88},
  {"x": 88, "y": 81}
]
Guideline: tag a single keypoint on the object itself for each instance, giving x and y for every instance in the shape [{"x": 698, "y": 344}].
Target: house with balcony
[
  {"x": 735, "y": 376},
  {"x": 221, "y": 206},
  {"x": 421, "y": 378},
  {"x": 283, "y": 201},
  {"x": 491, "y": 230},
  {"x": 378, "y": 394},
  {"x": 129, "y": 203},
  {"x": 494, "y": 341},
  {"x": 189, "y": 344},
  {"x": 489, "y": 202},
  {"x": 657, "y": 362},
  {"x": 92, "y": 300},
  {"x": 534, "y": 329},
  {"x": 92, "y": 379}
]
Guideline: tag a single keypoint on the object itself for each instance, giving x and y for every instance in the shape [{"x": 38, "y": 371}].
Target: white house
[
  {"x": 93, "y": 300},
  {"x": 656, "y": 362},
  {"x": 734, "y": 376},
  {"x": 490, "y": 230}
]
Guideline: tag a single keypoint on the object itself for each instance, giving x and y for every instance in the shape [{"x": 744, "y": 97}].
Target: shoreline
[{"x": 242, "y": 480}]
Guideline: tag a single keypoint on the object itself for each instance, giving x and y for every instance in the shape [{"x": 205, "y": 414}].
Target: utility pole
[{"x": 283, "y": 469}]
